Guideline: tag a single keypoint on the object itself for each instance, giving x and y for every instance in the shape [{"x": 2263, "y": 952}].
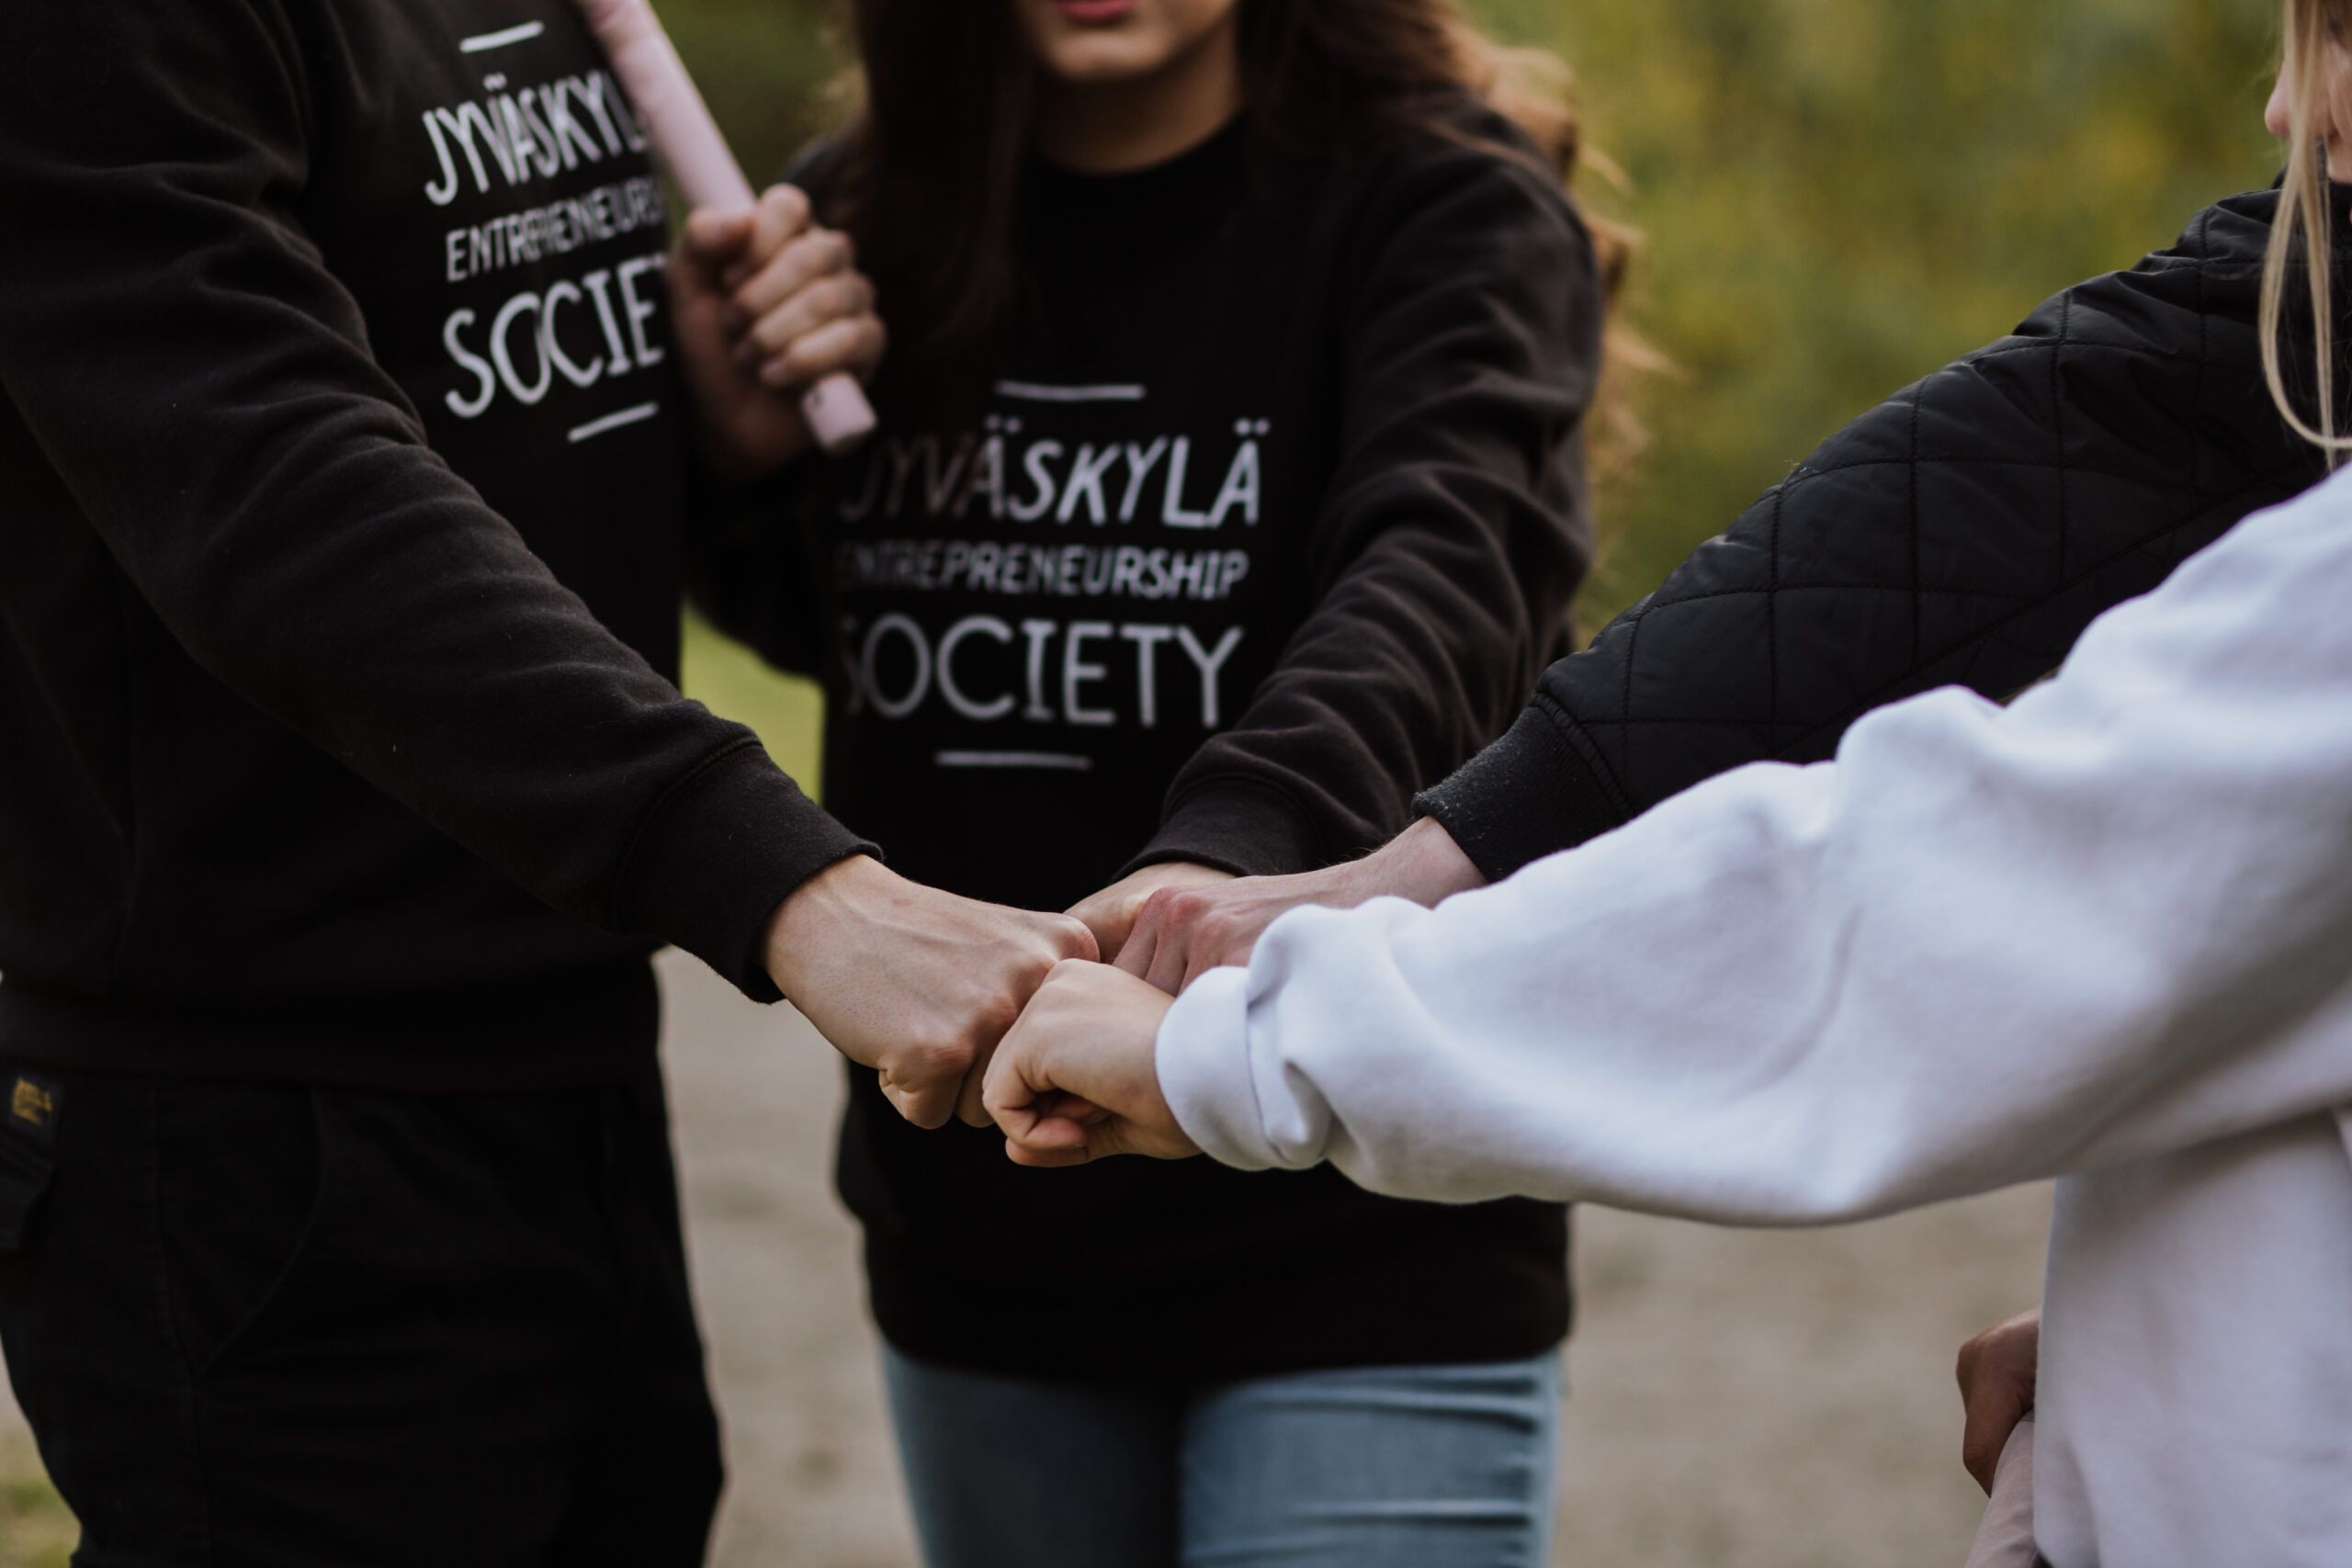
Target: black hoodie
[
  {"x": 1263, "y": 521},
  {"x": 340, "y": 496}
]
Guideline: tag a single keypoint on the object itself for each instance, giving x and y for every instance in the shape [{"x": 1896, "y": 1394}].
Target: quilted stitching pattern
[{"x": 1965, "y": 531}]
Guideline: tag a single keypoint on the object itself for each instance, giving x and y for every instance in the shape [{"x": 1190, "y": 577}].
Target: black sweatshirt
[
  {"x": 1265, "y": 520},
  {"x": 1963, "y": 532},
  {"x": 340, "y": 500}
]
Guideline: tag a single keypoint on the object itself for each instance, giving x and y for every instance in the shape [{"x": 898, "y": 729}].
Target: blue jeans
[{"x": 1376, "y": 1467}]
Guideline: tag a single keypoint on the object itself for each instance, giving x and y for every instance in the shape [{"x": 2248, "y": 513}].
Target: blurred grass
[
  {"x": 1839, "y": 196},
  {"x": 36, "y": 1530},
  {"x": 787, "y": 712}
]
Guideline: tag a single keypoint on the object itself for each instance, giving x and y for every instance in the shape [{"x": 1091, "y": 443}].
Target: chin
[{"x": 1097, "y": 61}]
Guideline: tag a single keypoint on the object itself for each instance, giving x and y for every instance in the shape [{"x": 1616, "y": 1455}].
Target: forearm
[
  {"x": 1452, "y": 534},
  {"x": 202, "y": 387},
  {"x": 1973, "y": 951},
  {"x": 1422, "y": 865},
  {"x": 1962, "y": 532},
  {"x": 1418, "y": 651}
]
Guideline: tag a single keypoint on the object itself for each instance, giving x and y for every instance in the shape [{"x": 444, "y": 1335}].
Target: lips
[{"x": 1094, "y": 13}]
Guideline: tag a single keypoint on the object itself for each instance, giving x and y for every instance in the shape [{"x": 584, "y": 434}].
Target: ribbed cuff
[
  {"x": 1238, "y": 825},
  {"x": 1203, "y": 1060},
  {"x": 723, "y": 850},
  {"x": 1531, "y": 793}
]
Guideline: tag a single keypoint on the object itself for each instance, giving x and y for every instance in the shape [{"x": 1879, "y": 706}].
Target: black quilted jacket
[{"x": 1963, "y": 532}]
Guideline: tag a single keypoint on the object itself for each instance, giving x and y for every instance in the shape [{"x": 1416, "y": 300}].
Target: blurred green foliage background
[{"x": 1839, "y": 196}]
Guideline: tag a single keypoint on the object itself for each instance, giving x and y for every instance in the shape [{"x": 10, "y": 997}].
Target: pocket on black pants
[
  {"x": 27, "y": 1149},
  {"x": 240, "y": 1193}
]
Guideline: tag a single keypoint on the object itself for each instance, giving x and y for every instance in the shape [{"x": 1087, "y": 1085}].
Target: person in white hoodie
[{"x": 2103, "y": 933}]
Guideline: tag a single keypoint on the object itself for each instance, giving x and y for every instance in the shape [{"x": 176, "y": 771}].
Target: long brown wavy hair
[
  {"x": 929, "y": 179},
  {"x": 2305, "y": 214}
]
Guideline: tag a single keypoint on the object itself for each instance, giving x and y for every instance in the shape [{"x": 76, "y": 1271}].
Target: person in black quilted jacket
[{"x": 1963, "y": 532}]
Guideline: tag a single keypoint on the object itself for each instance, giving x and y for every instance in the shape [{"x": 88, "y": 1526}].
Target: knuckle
[
  {"x": 786, "y": 201},
  {"x": 772, "y": 332},
  {"x": 816, "y": 254},
  {"x": 750, "y": 296},
  {"x": 916, "y": 1105},
  {"x": 795, "y": 264},
  {"x": 930, "y": 1060},
  {"x": 995, "y": 1020}
]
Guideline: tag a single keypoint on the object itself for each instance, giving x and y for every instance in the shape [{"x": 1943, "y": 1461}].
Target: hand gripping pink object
[{"x": 690, "y": 143}]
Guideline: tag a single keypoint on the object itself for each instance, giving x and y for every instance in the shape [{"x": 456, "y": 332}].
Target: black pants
[{"x": 263, "y": 1324}]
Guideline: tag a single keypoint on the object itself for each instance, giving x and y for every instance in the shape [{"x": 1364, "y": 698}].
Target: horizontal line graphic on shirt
[
  {"x": 595, "y": 427},
  {"x": 1039, "y": 392},
  {"x": 1069, "y": 761},
  {"x": 480, "y": 43}
]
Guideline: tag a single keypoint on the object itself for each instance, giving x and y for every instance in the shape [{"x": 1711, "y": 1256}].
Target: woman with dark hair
[
  {"x": 1229, "y": 489},
  {"x": 2097, "y": 933}
]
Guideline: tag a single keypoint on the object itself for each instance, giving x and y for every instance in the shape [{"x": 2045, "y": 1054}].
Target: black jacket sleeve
[
  {"x": 1963, "y": 532},
  {"x": 203, "y": 387},
  {"x": 1452, "y": 534}
]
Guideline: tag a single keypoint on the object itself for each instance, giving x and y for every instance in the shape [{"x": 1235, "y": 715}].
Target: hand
[
  {"x": 1109, "y": 913},
  {"x": 765, "y": 304},
  {"x": 1076, "y": 1079},
  {"x": 1997, "y": 1375},
  {"x": 1181, "y": 932},
  {"x": 919, "y": 983}
]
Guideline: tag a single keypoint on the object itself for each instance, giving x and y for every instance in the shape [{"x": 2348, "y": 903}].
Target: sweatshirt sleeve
[
  {"x": 203, "y": 386},
  {"x": 1963, "y": 532},
  {"x": 1451, "y": 534},
  {"x": 1983, "y": 946}
]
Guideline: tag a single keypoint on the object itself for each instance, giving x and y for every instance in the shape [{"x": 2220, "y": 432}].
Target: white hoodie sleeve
[{"x": 1984, "y": 945}]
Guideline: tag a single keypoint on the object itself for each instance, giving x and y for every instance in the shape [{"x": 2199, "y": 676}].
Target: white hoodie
[{"x": 2106, "y": 932}]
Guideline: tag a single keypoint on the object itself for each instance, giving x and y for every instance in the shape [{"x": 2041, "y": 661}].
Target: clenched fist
[
  {"x": 1077, "y": 1077},
  {"x": 915, "y": 982}
]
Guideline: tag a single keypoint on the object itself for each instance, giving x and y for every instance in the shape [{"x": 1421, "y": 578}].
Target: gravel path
[{"x": 1763, "y": 1400}]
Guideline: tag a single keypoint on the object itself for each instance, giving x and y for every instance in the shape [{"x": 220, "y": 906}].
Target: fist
[{"x": 765, "y": 303}]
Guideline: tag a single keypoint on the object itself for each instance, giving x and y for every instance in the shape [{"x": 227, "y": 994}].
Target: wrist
[
  {"x": 1176, "y": 874},
  {"x": 1422, "y": 864},
  {"x": 812, "y": 911}
]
